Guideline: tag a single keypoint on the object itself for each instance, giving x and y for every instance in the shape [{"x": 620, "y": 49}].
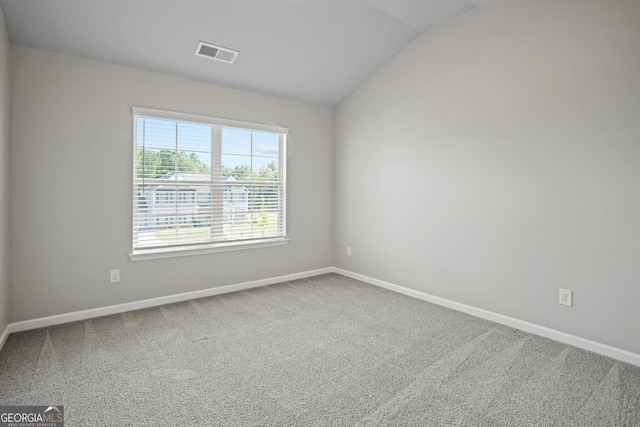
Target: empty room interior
[{"x": 320, "y": 212}]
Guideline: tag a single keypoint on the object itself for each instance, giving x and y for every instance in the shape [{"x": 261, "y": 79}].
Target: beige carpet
[{"x": 325, "y": 351}]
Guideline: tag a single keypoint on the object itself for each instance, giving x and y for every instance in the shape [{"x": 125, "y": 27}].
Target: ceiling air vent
[{"x": 218, "y": 53}]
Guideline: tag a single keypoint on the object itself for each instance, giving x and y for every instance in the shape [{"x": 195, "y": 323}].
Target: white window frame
[{"x": 178, "y": 250}]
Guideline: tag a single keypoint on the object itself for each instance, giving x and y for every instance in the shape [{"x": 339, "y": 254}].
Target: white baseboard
[
  {"x": 613, "y": 352},
  {"x": 4, "y": 336},
  {"x": 153, "y": 302},
  {"x": 585, "y": 344}
]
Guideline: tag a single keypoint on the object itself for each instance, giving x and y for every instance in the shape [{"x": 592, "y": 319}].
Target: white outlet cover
[
  {"x": 566, "y": 297},
  {"x": 114, "y": 276}
]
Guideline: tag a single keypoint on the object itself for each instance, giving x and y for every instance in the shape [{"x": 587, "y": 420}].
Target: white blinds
[{"x": 205, "y": 181}]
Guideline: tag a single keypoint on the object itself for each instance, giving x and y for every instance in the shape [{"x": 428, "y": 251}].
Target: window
[{"x": 202, "y": 184}]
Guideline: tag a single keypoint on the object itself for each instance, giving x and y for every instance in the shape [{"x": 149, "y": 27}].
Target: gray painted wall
[
  {"x": 72, "y": 191},
  {"x": 5, "y": 55},
  {"x": 497, "y": 159}
]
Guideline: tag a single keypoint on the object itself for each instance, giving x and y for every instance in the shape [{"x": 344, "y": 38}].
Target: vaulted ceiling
[{"x": 315, "y": 51}]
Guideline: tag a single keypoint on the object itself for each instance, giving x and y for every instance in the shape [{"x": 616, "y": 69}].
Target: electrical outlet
[
  {"x": 566, "y": 297},
  {"x": 115, "y": 276},
  {"x": 349, "y": 250}
]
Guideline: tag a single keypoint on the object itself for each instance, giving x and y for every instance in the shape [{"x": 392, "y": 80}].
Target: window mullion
[
  {"x": 176, "y": 207},
  {"x": 282, "y": 170},
  {"x": 217, "y": 202}
]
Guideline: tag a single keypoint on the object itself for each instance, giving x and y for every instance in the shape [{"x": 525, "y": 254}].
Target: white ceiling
[{"x": 315, "y": 51}]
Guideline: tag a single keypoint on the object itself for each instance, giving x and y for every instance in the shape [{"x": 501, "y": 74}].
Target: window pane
[
  {"x": 236, "y": 141},
  {"x": 264, "y": 198},
  {"x": 255, "y": 215},
  {"x": 194, "y": 137},
  {"x": 265, "y": 169},
  {"x": 237, "y": 167},
  {"x": 154, "y": 163},
  {"x": 265, "y": 144},
  {"x": 157, "y": 133},
  {"x": 194, "y": 163}
]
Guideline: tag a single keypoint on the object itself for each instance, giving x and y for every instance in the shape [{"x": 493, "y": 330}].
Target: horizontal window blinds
[{"x": 205, "y": 181}]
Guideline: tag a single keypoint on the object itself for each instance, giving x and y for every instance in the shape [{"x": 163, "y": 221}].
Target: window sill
[{"x": 149, "y": 254}]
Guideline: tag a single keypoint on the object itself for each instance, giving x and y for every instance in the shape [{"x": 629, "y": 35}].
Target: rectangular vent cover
[{"x": 218, "y": 53}]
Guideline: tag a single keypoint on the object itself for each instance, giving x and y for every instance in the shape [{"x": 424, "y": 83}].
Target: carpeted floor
[{"x": 323, "y": 351}]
